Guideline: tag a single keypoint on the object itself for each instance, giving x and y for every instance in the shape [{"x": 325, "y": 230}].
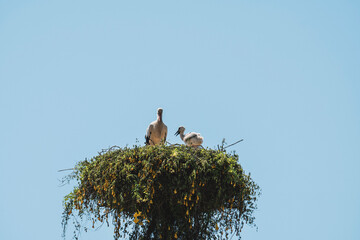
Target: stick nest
[{"x": 162, "y": 192}]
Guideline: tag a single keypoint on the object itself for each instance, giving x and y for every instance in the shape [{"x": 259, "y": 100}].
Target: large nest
[{"x": 162, "y": 192}]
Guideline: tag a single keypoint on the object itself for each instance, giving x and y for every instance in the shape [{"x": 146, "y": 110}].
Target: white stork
[
  {"x": 190, "y": 139},
  {"x": 157, "y": 131}
]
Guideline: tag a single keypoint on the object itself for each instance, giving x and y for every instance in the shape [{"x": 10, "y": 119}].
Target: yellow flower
[
  {"x": 137, "y": 214},
  {"x": 174, "y": 154},
  {"x": 175, "y": 191},
  {"x": 175, "y": 236}
]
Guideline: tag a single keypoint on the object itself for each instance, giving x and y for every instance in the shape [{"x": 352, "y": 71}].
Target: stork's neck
[
  {"x": 159, "y": 118},
  {"x": 182, "y": 135}
]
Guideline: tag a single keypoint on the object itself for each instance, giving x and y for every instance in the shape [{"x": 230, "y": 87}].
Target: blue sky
[{"x": 80, "y": 76}]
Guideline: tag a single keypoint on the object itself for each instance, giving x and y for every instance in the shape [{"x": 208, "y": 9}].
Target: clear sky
[{"x": 80, "y": 76}]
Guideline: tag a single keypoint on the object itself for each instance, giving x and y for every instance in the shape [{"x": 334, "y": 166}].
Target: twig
[
  {"x": 108, "y": 149},
  {"x": 234, "y": 143},
  {"x": 232, "y": 235},
  {"x": 68, "y": 169}
]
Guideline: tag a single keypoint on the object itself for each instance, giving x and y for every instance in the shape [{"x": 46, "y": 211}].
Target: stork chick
[
  {"x": 157, "y": 131},
  {"x": 190, "y": 139}
]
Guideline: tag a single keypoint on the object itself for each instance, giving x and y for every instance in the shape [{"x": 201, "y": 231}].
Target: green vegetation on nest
[{"x": 162, "y": 192}]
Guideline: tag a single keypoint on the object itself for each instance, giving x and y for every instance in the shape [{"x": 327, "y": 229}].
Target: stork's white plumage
[
  {"x": 190, "y": 139},
  {"x": 157, "y": 131}
]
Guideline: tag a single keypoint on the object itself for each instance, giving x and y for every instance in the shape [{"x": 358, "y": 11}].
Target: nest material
[{"x": 162, "y": 192}]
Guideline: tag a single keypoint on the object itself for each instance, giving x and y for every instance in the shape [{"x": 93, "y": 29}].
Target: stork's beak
[{"x": 177, "y": 133}]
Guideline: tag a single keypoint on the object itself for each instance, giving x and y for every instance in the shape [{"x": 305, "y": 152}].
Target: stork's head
[
  {"x": 180, "y": 130},
  {"x": 159, "y": 111}
]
